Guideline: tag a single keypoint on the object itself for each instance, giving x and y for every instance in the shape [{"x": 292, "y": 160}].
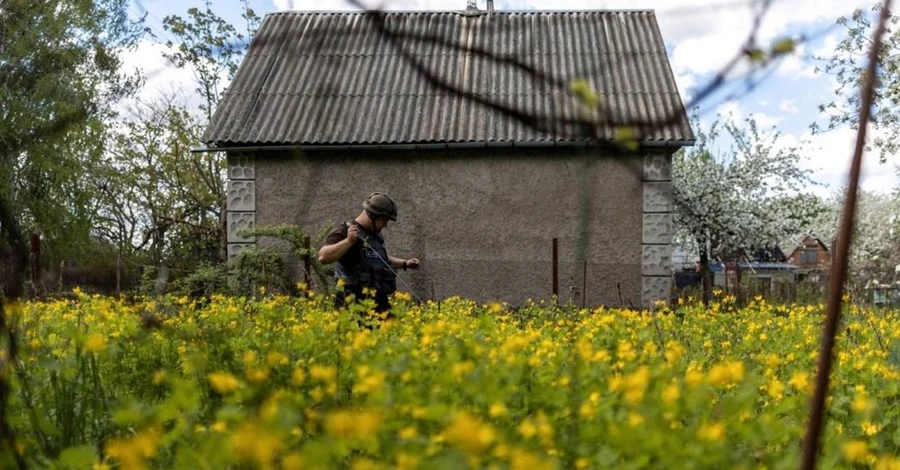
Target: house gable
[{"x": 314, "y": 78}]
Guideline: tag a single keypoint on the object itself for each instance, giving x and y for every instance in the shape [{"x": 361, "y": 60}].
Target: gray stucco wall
[{"x": 482, "y": 220}]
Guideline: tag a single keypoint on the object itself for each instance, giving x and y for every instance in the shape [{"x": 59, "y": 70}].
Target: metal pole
[
  {"x": 35, "y": 260},
  {"x": 555, "y": 281},
  {"x": 306, "y": 276},
  {"x": 583, "y": 283},
  {"x": 839, "y": 263}
]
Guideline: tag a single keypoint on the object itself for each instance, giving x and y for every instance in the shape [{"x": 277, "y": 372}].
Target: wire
[{"x": 391, "y": 268}]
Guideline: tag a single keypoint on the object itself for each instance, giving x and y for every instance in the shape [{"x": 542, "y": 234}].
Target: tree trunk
[
  {"x": 223, "y": 232},
  {"x": 705, "y": 273}
]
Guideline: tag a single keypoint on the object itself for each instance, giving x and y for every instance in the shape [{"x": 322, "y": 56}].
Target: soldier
[{"x": 362, "y": 261}]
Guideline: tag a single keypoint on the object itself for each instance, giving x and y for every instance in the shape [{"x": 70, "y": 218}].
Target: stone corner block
[
  {"x": 657, "y": 228},
  {"x": 238, "y": 221},
  {"x": 241, "y": 166},
  {"x": 234, "y": 249},
  {"x": 657, "y": 167},
  {"x": 656, "y": 260},
  {"x": 241, "y": 196},
  {"x": 655, "y": 288},
  {"x": 658, "y": 197}
]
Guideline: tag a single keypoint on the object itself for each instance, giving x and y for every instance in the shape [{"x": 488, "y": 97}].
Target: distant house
[
  {"x": 325, "y": 109},
  {"x": 811, "y": 256},
  {"x": 810, "y": 253},
  {"x": 765, "y": 270}
]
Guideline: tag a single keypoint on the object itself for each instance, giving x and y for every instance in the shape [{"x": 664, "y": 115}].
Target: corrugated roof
[{"x": 315, "y": 78}]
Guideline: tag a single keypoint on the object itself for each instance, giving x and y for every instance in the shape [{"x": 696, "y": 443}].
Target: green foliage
[
  {"x": 285, "y": 382},
  {"x": 211, "y": 47},
  {"x": 157, "y": 197},
  {"x": 59, "y": 77},
  {"x": 296, "y": 239},
  {"x": 847, "y": 65}
]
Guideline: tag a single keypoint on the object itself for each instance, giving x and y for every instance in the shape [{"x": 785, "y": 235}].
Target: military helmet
[{"x": 380, "y": 204}]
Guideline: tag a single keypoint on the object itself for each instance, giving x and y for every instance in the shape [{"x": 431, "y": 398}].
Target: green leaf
[
  {"x": 756, "y": 55},
  {"x": 82, "y": 457},
  {"x": 783, "y": 46},
  {"x": 582, "y": 90}
]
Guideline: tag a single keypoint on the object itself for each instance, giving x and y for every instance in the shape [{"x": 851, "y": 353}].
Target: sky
[{"x": 701, "y": 37}]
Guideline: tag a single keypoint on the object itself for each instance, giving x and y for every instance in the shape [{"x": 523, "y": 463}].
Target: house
[
  {"x": 811, "y": 256},
  {"x": 327, "y": 107},
  {"x": 764, "y": 270}
]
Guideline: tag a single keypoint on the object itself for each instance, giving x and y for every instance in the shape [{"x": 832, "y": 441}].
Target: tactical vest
[{"x": 370, "y": 271}]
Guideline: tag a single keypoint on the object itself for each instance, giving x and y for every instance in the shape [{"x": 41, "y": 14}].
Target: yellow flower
[
  {"x": 635, "y": 419},
  {"x": 693, "y": 377},
  {"x": 855, "y": 451},
  {"x": 861, "y": 403},
  {"x": 219, "y": 426},
  {"x": 726, "y": 374},
  {"x": 408, "y": 432},
  {"x": 298, "y": 376},
  {"x": 406, "y": 461},
  {"x": 223, "y": 382},
  {"x": 275, "y": 358},
  {"x": 800, "y": 381},
  {"x": 323, "y": 373},
  {"x": 363, "y": 464},
  {"x": 497, "y": 410},
  {"x": 524, "y": 460},
  {"x": 133, "y": 452},
  {"x": 887, "y": 462},
  {"x": 775, "y": 389},
  {"x": 527, "y": 429},
  {"x": 292, "y": 462},
  {"x": 671, "y": 393},
  {"x": 352, "y": 425},
  {"x": 469, "y": 433},
  {"x": 258, "y": 375},
  {"x": 712, "y": 432},
  {"x": 869, "y": 428},
  {"x": 95, "y": 343},
  {"x": 159, "y": 377},
  {"x": 255, "y": 444}
]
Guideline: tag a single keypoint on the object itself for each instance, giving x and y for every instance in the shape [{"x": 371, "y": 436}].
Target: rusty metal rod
[
  {"x": 840, "y": 261},
  {"x": 555, "y": 286}
]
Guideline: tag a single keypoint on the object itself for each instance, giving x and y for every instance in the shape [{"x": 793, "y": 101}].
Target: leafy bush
[{"x": 287, "y": 382}]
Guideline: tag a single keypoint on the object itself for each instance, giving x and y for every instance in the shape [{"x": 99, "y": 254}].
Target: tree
[
  {"x": 158, "y": 198},
  {"x": 750, "y": 196},
  {"x": 847, "y": 65},
  {"x": 875, "y": 254},
  {"x": 211, "y": 47},
  {"x": 59, "y": 74}
]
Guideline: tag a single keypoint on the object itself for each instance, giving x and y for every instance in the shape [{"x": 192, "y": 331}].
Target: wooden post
[
  {"x": 306, "y": 274},
  {"x": 119, "y": 273},
  {"x": 35, "y": 260},
  {"x": 583, "y": 283},
  {"x": 555, "y": 287}
]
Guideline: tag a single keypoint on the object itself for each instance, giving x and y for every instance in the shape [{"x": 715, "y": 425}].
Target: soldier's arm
[
  {"x": 330, "y": 253},
  {"x": 333, "y": 251}
]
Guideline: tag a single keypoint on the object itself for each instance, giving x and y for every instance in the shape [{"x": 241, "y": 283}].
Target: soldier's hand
[
  {"x": 412, "y": 263},
  {"x": 352, "y": 234}
]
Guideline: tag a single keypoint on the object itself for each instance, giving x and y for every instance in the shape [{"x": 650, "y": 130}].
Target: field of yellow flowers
[{"x": 287, "y": 382}]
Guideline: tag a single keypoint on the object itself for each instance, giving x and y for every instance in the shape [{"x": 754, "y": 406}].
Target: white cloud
[
  {"x": 797, "y": 65},
  {"x": 765, "y": 121},
  {"x": 829, "y": 156},
  {"x": 731, "y": 110},
  {"x": 788, "y": 106},
  {"x": 161, "y": 75}
]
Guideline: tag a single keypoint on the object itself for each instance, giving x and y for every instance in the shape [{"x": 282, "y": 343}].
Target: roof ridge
[{"x": 461, "y": 12}]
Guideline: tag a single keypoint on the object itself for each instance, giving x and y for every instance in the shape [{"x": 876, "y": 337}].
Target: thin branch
[{"x": 841, "y": 256}]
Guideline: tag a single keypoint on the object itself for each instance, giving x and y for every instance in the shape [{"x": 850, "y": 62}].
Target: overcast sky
[{"x": 701, "y": 36}]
